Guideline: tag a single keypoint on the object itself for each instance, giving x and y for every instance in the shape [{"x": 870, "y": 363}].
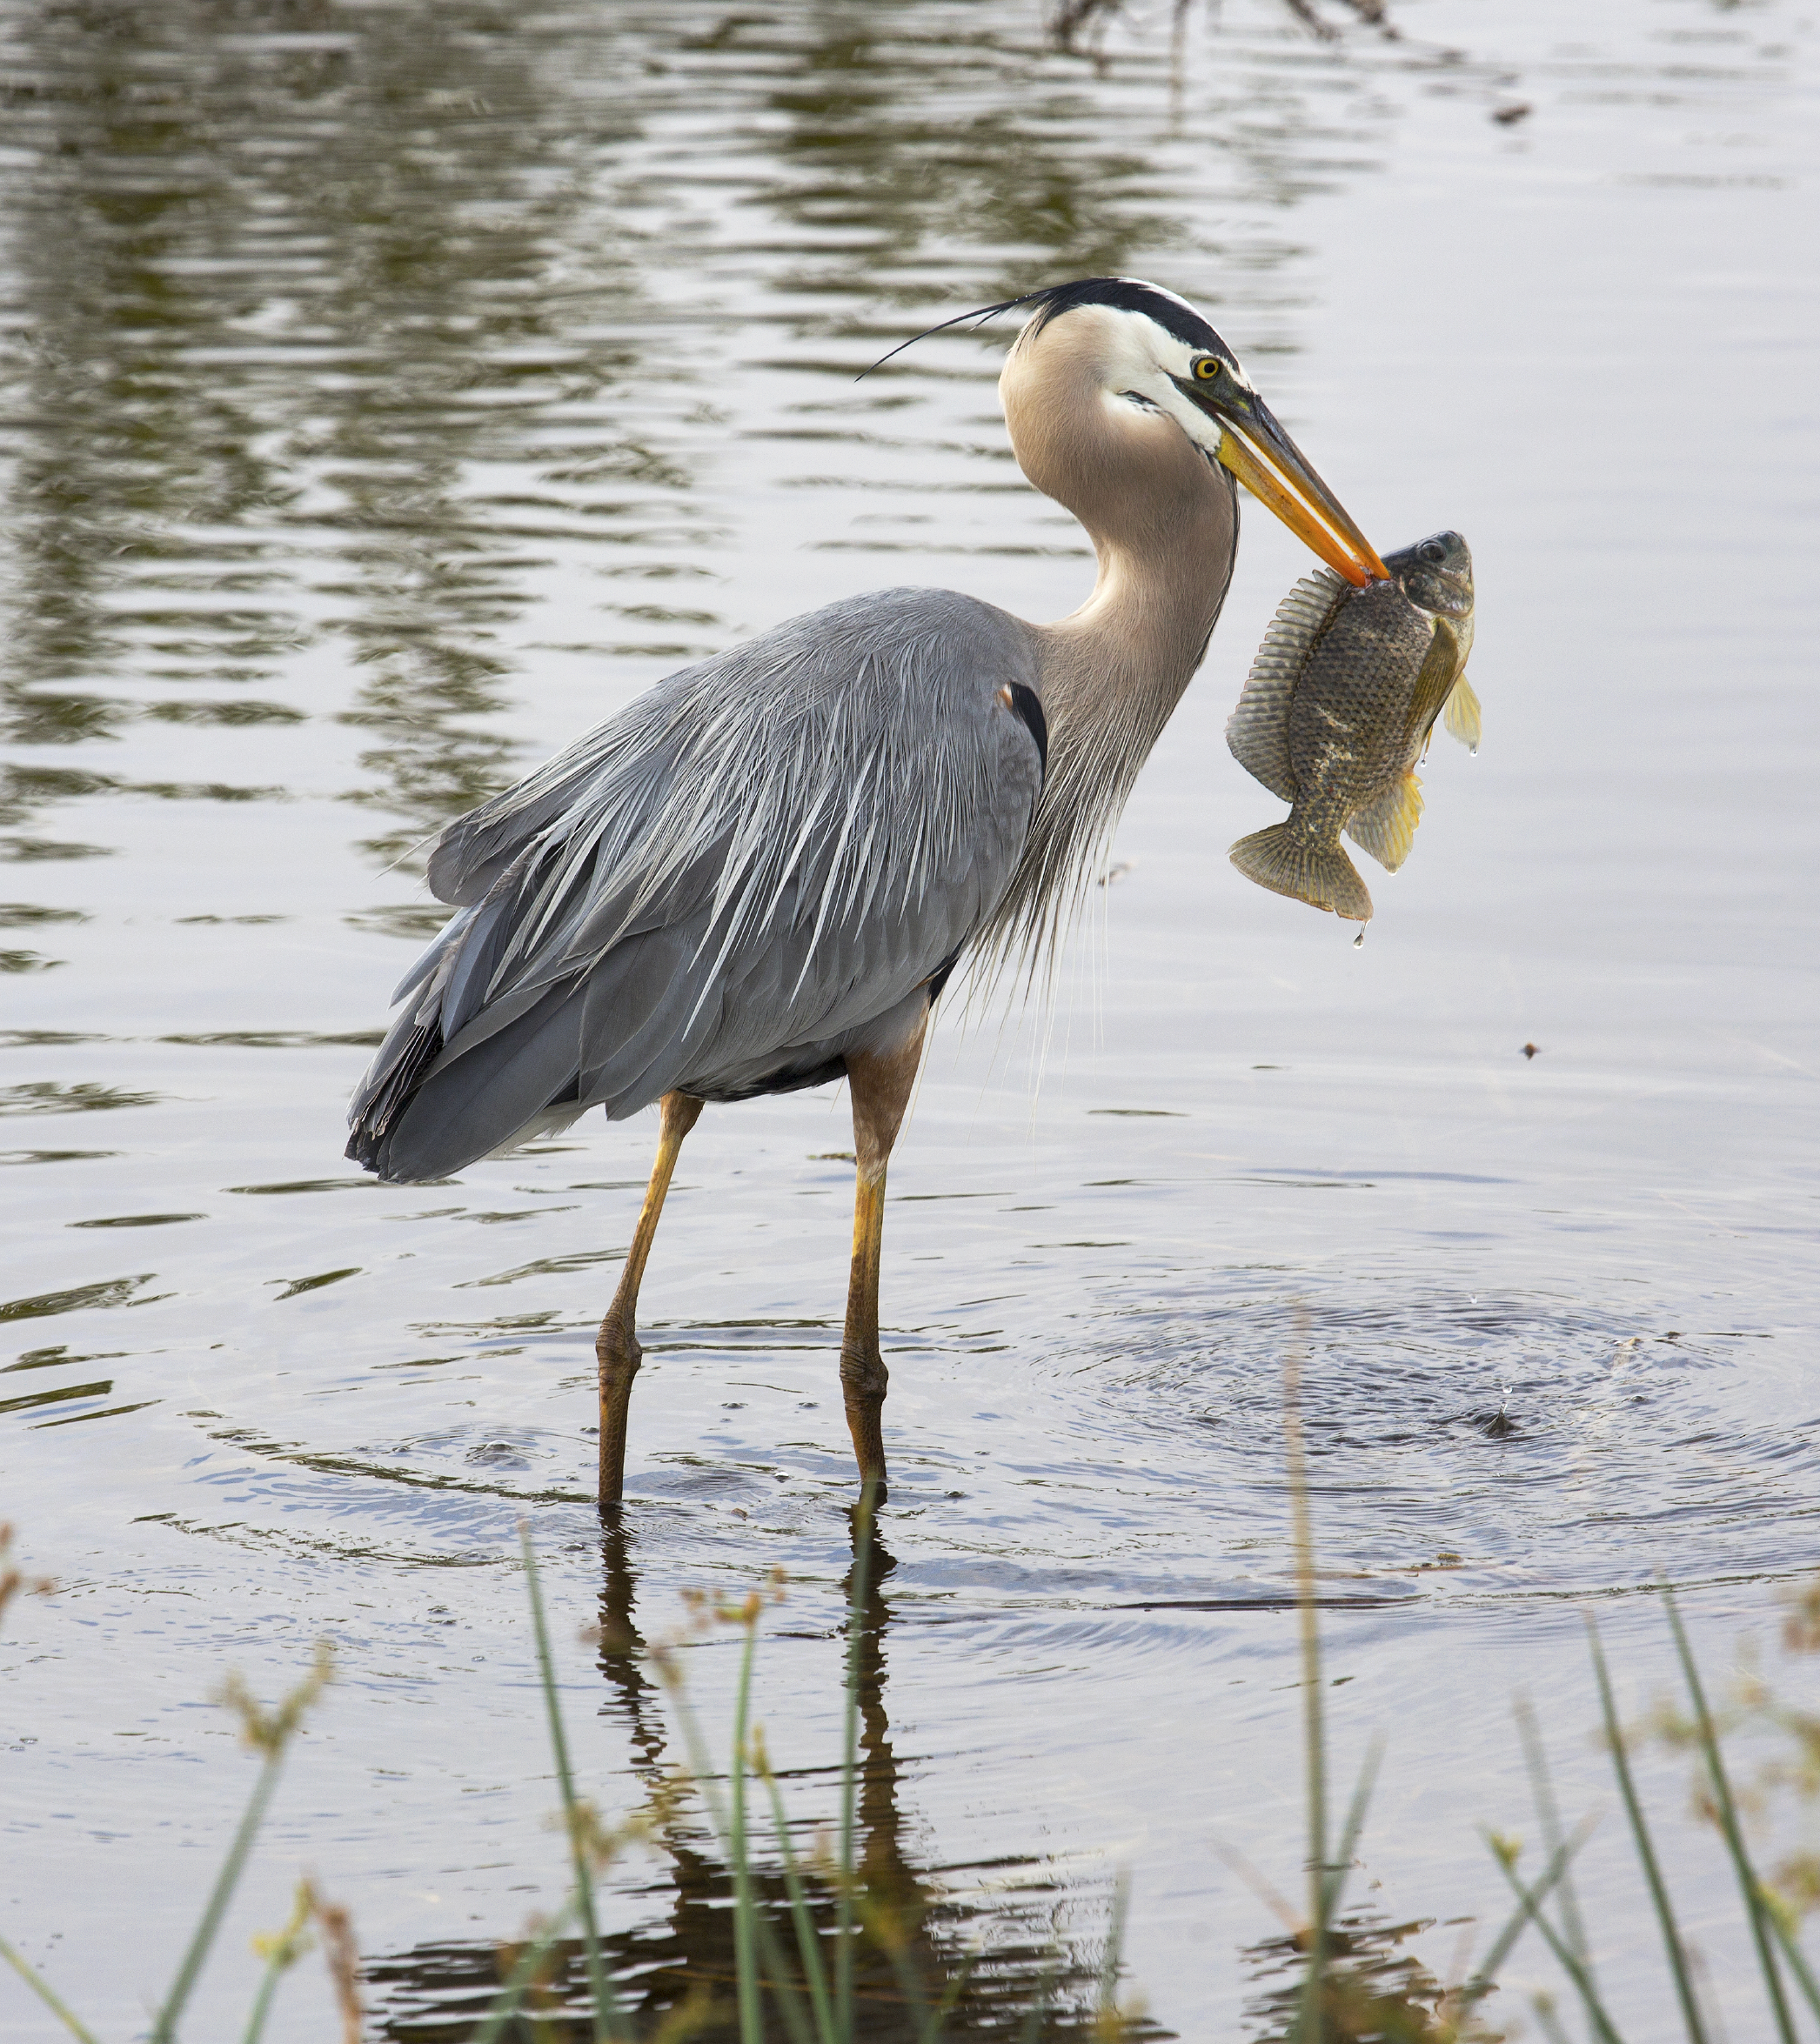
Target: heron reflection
[{"x": 985, "y": 1934}]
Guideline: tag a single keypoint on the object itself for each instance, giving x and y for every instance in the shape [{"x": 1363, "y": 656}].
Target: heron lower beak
[{"x": 1275, "y": 470}]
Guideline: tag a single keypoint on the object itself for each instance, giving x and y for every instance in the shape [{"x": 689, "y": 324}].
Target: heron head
[{"x": 1146, "y": 349}]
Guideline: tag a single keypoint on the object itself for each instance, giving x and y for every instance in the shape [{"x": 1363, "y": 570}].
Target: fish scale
[{"x": 1338, "y": 705}]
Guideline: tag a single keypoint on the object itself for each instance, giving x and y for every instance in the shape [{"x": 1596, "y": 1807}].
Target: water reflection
[
  {"x": 1378, "y": 1993},
  {"x": 127, "y": 224},
  {"x": 889, "y": 145},
  {"x": 282, "y": 286},
  {"x": 988, "y": 1936}
]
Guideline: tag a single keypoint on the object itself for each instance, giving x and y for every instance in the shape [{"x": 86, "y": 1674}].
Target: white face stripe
[
  {"x": 1136, "y": 358},
  {"x": 1177, "y": 298}
]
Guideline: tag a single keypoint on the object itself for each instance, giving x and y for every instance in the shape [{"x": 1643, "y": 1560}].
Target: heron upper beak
[{"x": 1275, "y": 470}]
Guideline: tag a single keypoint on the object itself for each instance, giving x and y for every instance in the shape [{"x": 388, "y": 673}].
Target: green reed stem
[
  {"x": 1567, "y": 1960},
  {"x": 1645, "y": 1847},
  {"x": 1031, "y": 2028},
  {"x": 1311, "y": 2023},
  {"x": 807, "y": 1944},
  {"x": 1544, "y": 2010},
  {"x": 745, "y": 1964},
  {"x": 1748, "y": 1882},
  {"x": 1107, "y": 2023},
  {"x": 850, "y": 1762},
  {"x": 1355, "y": 1812},
  {"x": 46, "y": 1993},
  {"x": 1783, "y": 1930},
  {"x": 276, "y": 1968},
  {"x": 605, "y": 2012},
  {"x": 1548, "y": 1816},
  {"x": 164, "y": 2029},
  {"x": 702, "y": 1768},
  {"x": 887, "y": 1929},
  {"x": 518, "y": 1983},
  {"x": 287, "y": 1947},
  {"x": 1484, "y": 1977},
  {"x": 937, "y": 2020}
]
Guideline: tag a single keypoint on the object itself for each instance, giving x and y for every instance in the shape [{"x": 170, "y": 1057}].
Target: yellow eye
[{"x": 1208, "y": 368}]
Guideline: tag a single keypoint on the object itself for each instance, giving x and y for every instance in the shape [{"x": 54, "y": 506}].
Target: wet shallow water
[{"x": 393, "y": 392}]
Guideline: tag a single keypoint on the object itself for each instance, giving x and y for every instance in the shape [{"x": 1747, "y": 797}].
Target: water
[{"x": 392, "y": 392}]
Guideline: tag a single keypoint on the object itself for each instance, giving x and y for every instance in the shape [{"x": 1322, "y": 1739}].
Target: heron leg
[
  {"x": 617, "y": 1344},
  {"x": 881, "y": 1086}
]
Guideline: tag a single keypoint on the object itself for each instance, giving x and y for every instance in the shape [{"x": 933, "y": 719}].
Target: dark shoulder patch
[
  {"x": 1026, "y": 705},
  {"x": 943, "y": 972}
]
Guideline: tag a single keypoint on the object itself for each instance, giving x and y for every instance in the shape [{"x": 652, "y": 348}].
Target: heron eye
[
  {"x": 1432, "y": 552},
  {"x": 1208, "y": 368}
]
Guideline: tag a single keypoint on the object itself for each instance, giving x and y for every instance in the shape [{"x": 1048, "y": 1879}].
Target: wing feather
[{"x": 764, "y": 851}]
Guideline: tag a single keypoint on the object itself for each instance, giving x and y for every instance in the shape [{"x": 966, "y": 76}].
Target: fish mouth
[{"x": 1256, "y": 449}]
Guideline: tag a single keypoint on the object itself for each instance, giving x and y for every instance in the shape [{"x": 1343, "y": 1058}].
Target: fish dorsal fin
[
  {"x": 1386, "y": 828},
  {"x": 1258, "y": 730},
  {"x": 1460, "y": 719}
]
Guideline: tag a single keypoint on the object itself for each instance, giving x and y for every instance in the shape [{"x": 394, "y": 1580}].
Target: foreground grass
[{"x": 826, "y": 1952}]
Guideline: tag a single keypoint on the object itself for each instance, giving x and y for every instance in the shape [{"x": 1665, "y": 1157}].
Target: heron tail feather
[{"x": 1288, "y": 861}]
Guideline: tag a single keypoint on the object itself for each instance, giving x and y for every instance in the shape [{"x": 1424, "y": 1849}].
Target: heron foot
[{"x": 617, "y": 1350}]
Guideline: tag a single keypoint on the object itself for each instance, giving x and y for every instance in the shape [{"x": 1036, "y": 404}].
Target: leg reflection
[
  {"x": 637, "y": 1697},
  {"x": 887, "y": 1875},
  {"x": 985, "y": 1931}
]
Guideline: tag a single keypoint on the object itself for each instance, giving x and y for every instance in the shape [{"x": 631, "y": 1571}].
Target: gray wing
[{"x": 758, "y": 858}]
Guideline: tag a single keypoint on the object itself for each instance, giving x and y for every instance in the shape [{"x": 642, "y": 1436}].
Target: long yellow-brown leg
[
  {"x": 617, "y": 1344},
  {"x": 880, "y": 1088}
]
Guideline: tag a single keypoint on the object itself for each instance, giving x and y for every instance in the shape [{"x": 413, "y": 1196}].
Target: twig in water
[{"x": 343, "y": 1952}]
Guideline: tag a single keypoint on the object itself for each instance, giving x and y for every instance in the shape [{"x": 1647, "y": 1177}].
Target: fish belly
[{"x": 1350, "y": 717}]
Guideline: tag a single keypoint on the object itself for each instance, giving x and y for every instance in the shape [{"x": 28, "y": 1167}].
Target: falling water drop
[
  {"x": 1472, "y": 751},
  {"x": 1358, "y": 942}
]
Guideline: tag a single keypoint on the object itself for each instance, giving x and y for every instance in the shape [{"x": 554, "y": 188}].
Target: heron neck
[
  {"x": 1124, "y": 658},
  {"x": 1110, "y": 674}
]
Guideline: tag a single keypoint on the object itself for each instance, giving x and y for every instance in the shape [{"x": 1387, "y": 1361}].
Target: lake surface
[{"x": 393, "y": 392}]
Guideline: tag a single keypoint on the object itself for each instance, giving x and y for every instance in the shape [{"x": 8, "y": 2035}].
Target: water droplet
[
  {"x": 1472, "y": 751},
  {"x": 1358, "y": 942}
]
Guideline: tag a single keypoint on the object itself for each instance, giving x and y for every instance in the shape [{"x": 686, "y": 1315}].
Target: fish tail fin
[{"x": 1289, "y": 862}]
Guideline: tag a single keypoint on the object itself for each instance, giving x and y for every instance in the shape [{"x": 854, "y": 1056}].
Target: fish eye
[
  {"x": 1208, "y": 368},
  {"x": 1432, "y": 552}
]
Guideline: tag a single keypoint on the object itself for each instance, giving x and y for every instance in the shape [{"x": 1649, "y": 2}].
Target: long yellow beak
[{"x": 1275, "y": 470}]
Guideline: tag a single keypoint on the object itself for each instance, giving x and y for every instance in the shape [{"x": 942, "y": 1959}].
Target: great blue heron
[{"x": 760, "y": 874}]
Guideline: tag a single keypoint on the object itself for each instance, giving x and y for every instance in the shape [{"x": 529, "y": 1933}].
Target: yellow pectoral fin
[
  {"x": 1387, "y": 827},
  {"x": 1460, "y": 719}
]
